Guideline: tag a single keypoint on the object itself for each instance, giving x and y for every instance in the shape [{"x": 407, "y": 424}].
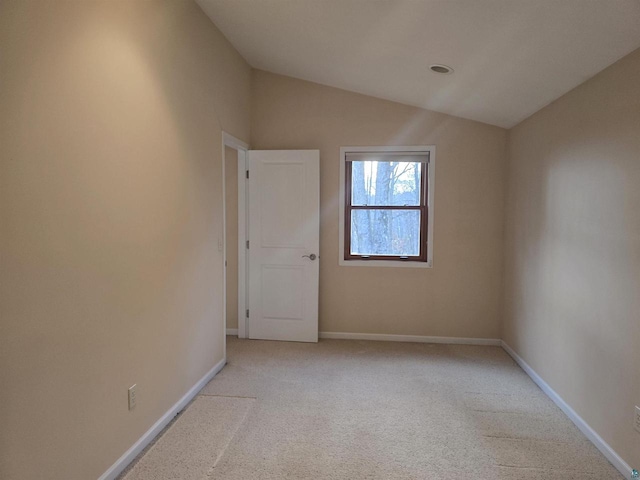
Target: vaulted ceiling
[{"x": 510, "y": 57}]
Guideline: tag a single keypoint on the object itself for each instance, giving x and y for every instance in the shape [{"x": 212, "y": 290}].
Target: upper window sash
[{"x": 359, "y": 198}]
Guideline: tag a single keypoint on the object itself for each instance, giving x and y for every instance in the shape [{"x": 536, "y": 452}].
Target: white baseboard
[
  {"x": 584, "y": 427},
  {"x": 410, "y": 338},
  {"x": 157, "y": 427},
  {"x": 232, "y": 331}
]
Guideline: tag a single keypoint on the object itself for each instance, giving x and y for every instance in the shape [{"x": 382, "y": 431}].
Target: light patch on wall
[
  {"x": 133, "y": 78},
  {"x": 584, "y": 243}
]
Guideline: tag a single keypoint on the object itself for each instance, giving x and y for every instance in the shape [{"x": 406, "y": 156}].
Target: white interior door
[{"x": 284, "y": 216}]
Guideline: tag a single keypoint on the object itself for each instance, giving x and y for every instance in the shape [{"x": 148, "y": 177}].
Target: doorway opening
[
  {"x": 270, "y": 242},
  {"x": 234, "y": 158}
]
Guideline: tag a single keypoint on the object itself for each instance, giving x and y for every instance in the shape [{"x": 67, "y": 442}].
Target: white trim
[
  {"x": 120, "y": 464},
  {"x": 382, "y": 337},
  {"x": 431, "y": 149},
  {"x": 378, "y": 263},
  {"x": 232, "y": 331},
  {"x": 233, "y": 142},
  {"x": 243, "y": 236},
  {"x": 224, "y": 246},
  {"x": 579, "y": 422}
]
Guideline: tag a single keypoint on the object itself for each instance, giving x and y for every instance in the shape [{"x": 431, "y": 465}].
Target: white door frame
[{"x": 242, "y": 147}]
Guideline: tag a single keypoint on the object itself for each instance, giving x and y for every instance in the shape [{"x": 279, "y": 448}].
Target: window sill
[{"x": 383, "y": 263}]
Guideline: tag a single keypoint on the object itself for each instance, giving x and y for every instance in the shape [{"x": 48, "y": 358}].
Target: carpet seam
[
  {"x": 531, "y": 439},
  {"x": 541, "y": 469},
  {"x": 225, "y": 396},
  {"x": 233, "y": 435}
]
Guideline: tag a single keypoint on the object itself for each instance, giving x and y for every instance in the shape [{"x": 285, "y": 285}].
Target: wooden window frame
[{"x": 423, "y": 208}]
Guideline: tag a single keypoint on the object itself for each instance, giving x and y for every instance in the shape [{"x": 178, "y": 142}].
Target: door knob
[{"x": 311, "y": 256}]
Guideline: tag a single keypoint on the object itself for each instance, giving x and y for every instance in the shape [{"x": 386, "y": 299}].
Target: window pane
[
  {"x": 385, "y": 183},
  {"x": 385, "y": 232}
]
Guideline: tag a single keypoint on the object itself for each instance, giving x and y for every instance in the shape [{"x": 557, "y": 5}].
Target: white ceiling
[{"x": 511, "y": 57}]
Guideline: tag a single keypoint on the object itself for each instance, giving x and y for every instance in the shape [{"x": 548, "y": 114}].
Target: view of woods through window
[{"x": 386, "y": 208}]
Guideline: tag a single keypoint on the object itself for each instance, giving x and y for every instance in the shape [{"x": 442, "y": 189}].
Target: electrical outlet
[{"x": 132, "y": 396}]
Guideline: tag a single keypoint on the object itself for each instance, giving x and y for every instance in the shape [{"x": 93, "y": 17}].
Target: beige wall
[
  {"x": 572, "y": 278},
  {"x": 111, "y": 212},
  {"x": 231, "y": 196},
  {"x": 460, "y": 296},
  {"x": 110, "y": 215}
]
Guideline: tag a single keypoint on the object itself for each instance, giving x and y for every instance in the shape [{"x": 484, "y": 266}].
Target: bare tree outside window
[{"x": 386, "y": 209}]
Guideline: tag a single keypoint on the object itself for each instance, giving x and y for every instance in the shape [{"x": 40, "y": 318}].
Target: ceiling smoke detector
[{"x": 441, "y": 69}]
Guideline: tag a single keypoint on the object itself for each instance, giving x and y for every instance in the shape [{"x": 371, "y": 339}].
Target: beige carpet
[{"x": 374, "y": 410}]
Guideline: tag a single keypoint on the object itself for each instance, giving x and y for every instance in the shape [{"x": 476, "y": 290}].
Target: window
[{"x": 387, "y": 206}]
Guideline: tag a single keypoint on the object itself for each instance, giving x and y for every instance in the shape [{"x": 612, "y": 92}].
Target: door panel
[
  {"x": 284, "y": 217},
  {"x": 281, "y": 220}
]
